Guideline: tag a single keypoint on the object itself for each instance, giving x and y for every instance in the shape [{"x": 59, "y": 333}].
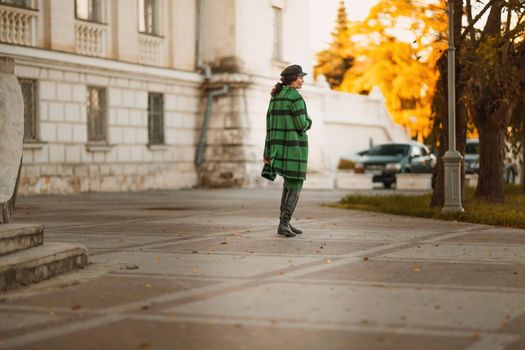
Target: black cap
[{"x": 292, "y": 70}]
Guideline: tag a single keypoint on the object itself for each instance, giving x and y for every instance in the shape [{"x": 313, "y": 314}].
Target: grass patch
[{"x": 508, "y": 214}]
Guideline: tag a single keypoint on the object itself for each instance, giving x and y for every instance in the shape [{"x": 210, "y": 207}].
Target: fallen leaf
[
  {"x": 195, "y": 251},
  {"x": 195, "y": 270},
  {"x": 132, "y": 267},
  {"x": 76, "y": 307},
  {"x": 157, "y": 258},
  {"x": 145, "y": 307},
  {"x": 144, "y": 346},
  {"x": 147, "y": 285},
  {"x": 365, "y": 258},
  {"x": 417, "y": 269},
  {"x": 328, "y": 261},
  {"x": 224, "y": 242}
]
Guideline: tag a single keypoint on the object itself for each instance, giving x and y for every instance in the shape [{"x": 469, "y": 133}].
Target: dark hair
[{"x": 285, "y": 81}]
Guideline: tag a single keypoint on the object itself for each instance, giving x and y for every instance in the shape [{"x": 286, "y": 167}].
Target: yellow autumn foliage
[{"x": 396, "y": 48}]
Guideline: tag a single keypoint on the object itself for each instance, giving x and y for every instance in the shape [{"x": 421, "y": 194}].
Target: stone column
[{"x": 11, "y": 137}]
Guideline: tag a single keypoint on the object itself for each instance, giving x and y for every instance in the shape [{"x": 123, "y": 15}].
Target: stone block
[
  {"x": 72, "y": 112},
  {"x": 156, "y": 87},
  {"x": 115, "y": 97},
  {"x": 414, "y": 182},
  {"x": 79, "y": 93},
  {"x": 39, "y": 263},
  {"x": 64, "y": 92},
  {"x": 55, "y": 74},
  {"x": 56, "y": 153},
  {"x": 122, "y": 82},
  {"x": 64, "y": 132},
  {"x": 99, "y": 157},
  {"x": 66, "y": 170},
  {"x": 128, "y": 135},
  {"x": 48, "y": 132},
  {"x": 41, "y": 156},
  {"x": 27, "y": 156},
  {"x": 116, "y": 135},
  {"x": 85, "y": 156},
  {"x": 47, "y": 90},
  {"x": 43, "y": 112},
  {"x": 123, "y": 153},
  {"x": 83, "y": 113},
  {"x": 122, "y": 117},
  {"x": 72, "y": 77},
  {"x": 128, "y": 98},
  {"x": 27, "y": 72},
  {"x": 135, "y": 118},
  {"x": 105, "y": 170},
  {"x": 30, "y": 170},
  {"x": 137, "y": 84},
  {"x": 97, "y": 80},
  {"x": 351, "y": 181},
  {"x": 141, "y": 100},
  {"x": 81, "y": 171},
  {"x": 56, "y": 111},
  {"x": 137, "y": 153},
  {"x": 48, "y": 170},
  {"x": 170, "y": 102},
  {"x": 111, "y": 156},
  {"x": 73, "y": 153},
  {"x": 79, "y": 133}
]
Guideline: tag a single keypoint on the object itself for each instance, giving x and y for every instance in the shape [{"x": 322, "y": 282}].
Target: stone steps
[
  {"x": 26, "y": 259},
  {"x": 15, "y": 237}
]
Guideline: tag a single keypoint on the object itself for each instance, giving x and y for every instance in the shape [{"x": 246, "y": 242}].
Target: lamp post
[{"x": 452, "y": 158}]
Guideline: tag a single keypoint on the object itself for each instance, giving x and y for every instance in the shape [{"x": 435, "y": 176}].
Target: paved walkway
[{"x": 205, "y": 270}]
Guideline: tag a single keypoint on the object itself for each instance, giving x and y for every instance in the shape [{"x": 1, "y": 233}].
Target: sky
[{"x": 323, "y": 14}]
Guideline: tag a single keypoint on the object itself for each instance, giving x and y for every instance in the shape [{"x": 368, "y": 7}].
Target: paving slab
[{"x": 201, "y": 269}]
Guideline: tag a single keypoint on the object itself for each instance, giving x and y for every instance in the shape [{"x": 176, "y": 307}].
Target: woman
[{"x": 286, "y": 146}]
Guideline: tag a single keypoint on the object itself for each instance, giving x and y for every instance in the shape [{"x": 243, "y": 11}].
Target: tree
[
  {"x": 402, "y": 68},
  {"x": 493, "y": 59},
  {"x": 337, "y": 59}
]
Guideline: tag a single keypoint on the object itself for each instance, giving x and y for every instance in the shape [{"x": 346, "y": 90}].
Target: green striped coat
[{"x": 286, "y": 141}]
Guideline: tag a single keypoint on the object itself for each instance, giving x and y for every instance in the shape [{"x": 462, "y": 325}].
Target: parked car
[
  {"x": 387, "y": 160},
  {"x": 472, "y": 157}
]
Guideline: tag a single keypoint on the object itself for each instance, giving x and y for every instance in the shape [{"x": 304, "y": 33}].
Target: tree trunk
[
  {"x": 491, "y": 154},
  {"x": 7, "y": 209},
  {"x": 523, "y": 167}
]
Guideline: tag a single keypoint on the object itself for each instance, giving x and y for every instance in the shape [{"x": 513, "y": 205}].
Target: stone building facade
[{"x": 129, "y": 94}]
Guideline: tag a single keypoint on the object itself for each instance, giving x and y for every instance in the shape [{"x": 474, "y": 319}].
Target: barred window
[
  {"x": 149, "y": 16},
  {"x": 89, "y": 10},
  {"x": 156, "y": 118},
  {"x": 18, "y": 3},
  {"x": 29, "y": 94},
  {"x": 96, "y": 113},
  {"x": 277, "y": 33}
]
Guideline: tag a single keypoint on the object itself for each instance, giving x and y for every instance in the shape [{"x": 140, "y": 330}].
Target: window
[
  {"x": 89, "y": 10},
  {"x": 149, "y": 16},
  {"x": 96, "y": 114},
  {"x": 18, "y": 3},
  {"x": 156, "y": 118},
  {"x": 277, "y": 33},
  {"x": 416, "y": 151},
  {"x": 28, "y": 87}
]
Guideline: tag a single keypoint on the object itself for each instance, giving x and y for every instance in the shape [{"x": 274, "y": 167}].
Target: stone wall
[{"x": 63, "y": 162}]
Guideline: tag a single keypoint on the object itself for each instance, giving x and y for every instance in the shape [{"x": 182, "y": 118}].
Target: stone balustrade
[
  {"x": 151, "y": 50},
  {"x": 18, "y": 25},
  {"x": 90, "y": 38}
]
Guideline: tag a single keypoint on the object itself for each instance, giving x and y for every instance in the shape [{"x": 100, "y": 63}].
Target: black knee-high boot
[
  {"x": 283, "y": 201},
  {"x": 290, "y": 201}
]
